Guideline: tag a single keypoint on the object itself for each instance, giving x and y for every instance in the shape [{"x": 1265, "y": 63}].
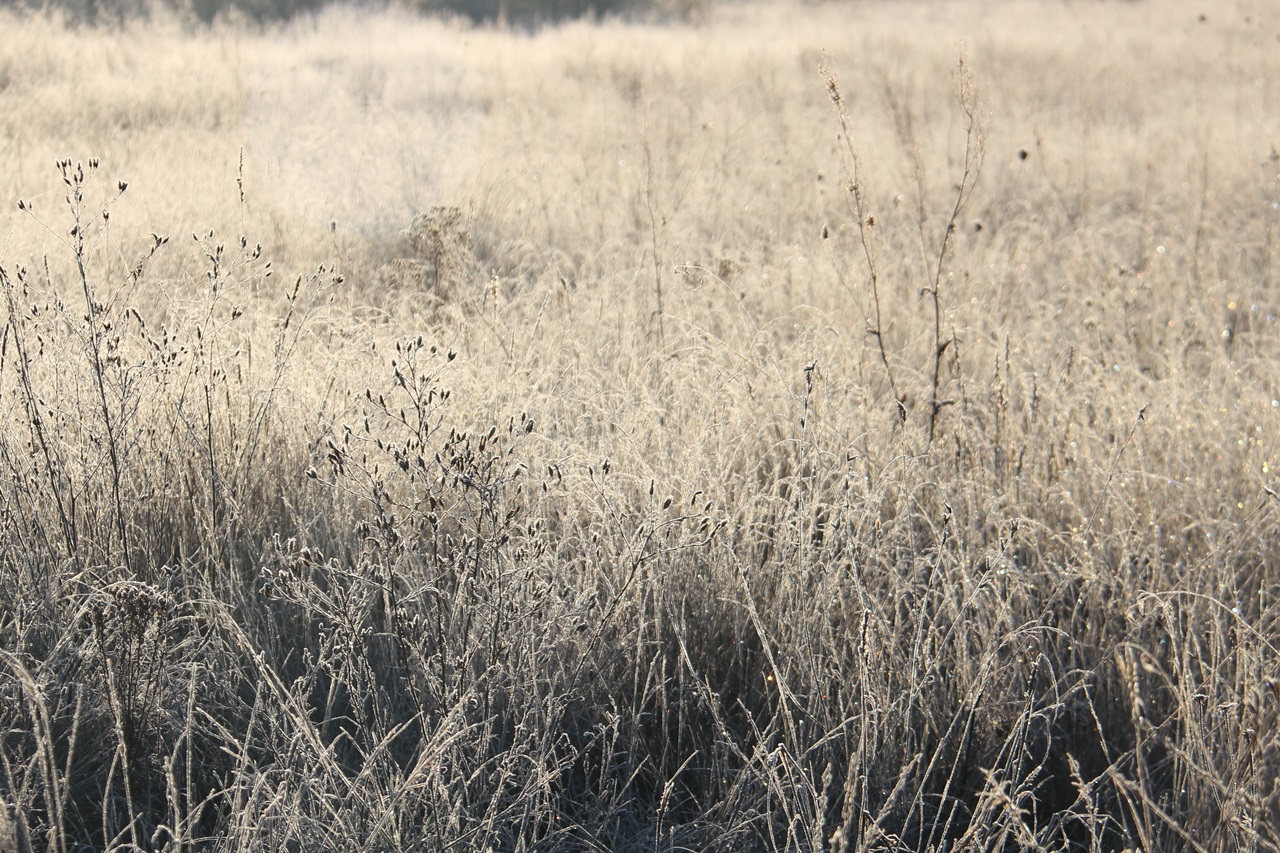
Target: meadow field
[{"x": 771, "y": 427}]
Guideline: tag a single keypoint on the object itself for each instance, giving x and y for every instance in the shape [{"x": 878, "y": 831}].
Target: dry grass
[{"x": 568, "y": 457}]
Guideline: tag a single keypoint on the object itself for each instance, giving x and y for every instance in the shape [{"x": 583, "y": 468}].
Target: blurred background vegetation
[{"x": 518, "y": 12}]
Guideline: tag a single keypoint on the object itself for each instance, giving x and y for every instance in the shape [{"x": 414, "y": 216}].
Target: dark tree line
[{"x": 520, "y": 12}]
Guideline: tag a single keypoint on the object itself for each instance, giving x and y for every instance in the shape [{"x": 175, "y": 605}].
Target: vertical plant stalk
[
  {"x": 66, "y": 510},
  {"x": 125, "y": 734},
  {"x": 653, "y": 237},
  {"x": 866, "y": 221},
  {"x": 975, "y": 149},
  {"x": 1115, "y": 465},
  {"x": 56, "y": 785},
  {"x": 75, "y": 184}
]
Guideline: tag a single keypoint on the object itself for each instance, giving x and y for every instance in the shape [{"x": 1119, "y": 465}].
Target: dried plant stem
[
  {"x": 853, "y": 173},
  {"x": 653, "y": 241},
  {"x": 1115, "y": 464},
  {"x": 52, "y": 467},
  {"x": 974, "y": 153},
  {"x": 75, "y": 182}
]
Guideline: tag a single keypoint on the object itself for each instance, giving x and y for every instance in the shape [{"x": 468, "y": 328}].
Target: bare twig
[
  {"x": 974, "y": 153},
  {"x": 866, "y": 222}
]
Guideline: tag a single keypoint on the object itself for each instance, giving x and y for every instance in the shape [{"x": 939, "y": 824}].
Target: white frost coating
[{"x": 359, "y": 120}]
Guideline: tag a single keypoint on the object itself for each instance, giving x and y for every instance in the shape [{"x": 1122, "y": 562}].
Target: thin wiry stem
[
  {"x": 866, "y": 221},
  {"x": 974, "y": 153}
]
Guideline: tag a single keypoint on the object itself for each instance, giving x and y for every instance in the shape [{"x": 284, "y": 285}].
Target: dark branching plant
[{"x": 936, "y": 251}]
